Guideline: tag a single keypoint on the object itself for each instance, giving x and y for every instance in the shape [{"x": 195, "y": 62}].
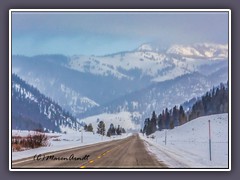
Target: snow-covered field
[
  {"x": 187, "y": 146},
  {"x": 124, "y": 119},
  {"x": 63, "y": 141}
]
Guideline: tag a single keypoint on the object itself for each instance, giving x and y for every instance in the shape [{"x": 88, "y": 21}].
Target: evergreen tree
[
  {"x": 101, "y": 128},
  {"x": 90, "y": 128},
  {"x": 147, "y": 127},
  {"x": 146, "y": 122},
  {"x": 163, "y": 120},
  {"x": 160, "y": 122},
  {"x": 175, "y": 116},
  {"x": 182, "y": 116},
  {"x": 153, "y": 122},
  {"x": 167, "y": 119},
  {"x": 111, "y": 130},
  {"x": 85, "y": 127},
  {"x": 108, "y": 133},
  {"x": 171, "y": 124},
  {"x": 118, "y": 130}
]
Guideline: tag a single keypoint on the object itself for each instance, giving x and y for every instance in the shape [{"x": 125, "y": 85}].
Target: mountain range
[{"x": 138, "y": 81}]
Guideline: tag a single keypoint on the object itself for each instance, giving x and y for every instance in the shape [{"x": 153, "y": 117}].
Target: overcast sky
[{"x": 104, "y": 33}]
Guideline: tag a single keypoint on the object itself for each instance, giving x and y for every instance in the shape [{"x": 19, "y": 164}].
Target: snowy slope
[
  {"x": 32, "y": 110},
  {"x": 124, "y": 119},
  {"x": 158, "y": 96},
  {"x": 62, "y": 141},
  {"x": 74, "y": 100},
  {"x": 48, "y": 75},
  {"x": 187, "y": 145}
]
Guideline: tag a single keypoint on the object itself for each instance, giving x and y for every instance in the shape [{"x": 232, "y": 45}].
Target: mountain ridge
[{"x": 33, "y": 110}]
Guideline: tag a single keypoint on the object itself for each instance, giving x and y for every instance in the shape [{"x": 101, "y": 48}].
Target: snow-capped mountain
[
  {"x": 147, "y": 47},
  {"x": 32, "y": 110},
  {"x": 204, "y": 50},
  {"x": 147, "y": 61},
  {"x": 83, "y": 84}
]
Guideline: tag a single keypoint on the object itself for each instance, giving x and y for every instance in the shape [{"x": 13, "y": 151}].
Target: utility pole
[
  {"x": 81, "y": 136},
  {"x": 165, "y": 136},
  {"x": 210, "y": 148}
]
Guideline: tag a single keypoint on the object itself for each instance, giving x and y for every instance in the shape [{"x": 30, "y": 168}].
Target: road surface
[{"x": 125, "y": 153}]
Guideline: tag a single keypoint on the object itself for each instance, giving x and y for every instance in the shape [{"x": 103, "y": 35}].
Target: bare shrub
[
  {"x": 30, "y": 142},
  {"x": 16, "y": 147},
  {"x": 36, "y": 140}
]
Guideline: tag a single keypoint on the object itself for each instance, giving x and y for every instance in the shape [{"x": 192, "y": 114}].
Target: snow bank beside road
[
  {"x": 188, "y": 145},
  {"x": 63, "y": 141}
]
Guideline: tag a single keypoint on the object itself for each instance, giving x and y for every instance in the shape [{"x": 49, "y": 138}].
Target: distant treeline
[
  {"x": 214, "y": 101},
  {"x": 101, "y": 129}
]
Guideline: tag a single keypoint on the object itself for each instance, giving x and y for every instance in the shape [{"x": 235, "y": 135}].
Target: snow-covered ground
[
  {"x": 124, "y": 119},
  {"x": 188, "y": 145},
  {"x": 63, "y": 141}
]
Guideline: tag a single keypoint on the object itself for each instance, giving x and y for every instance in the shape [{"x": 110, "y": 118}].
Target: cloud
[{"x": 90, "y": 30}]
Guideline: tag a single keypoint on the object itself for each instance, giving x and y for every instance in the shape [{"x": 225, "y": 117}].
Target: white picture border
[{"x": 120, "y": 10}]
